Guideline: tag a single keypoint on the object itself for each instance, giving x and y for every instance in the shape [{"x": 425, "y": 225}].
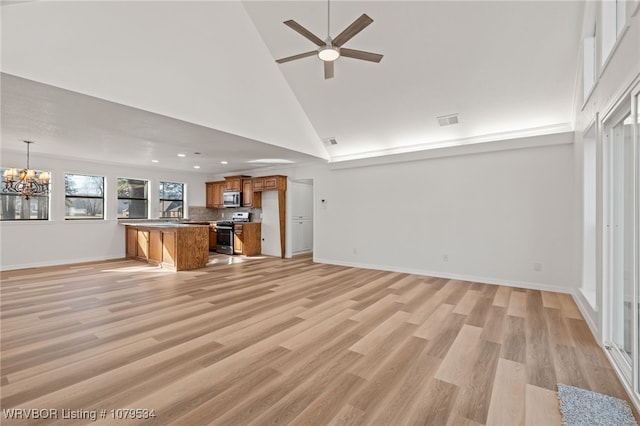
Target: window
[
  {"x": 613, "y": 22},
  {"x": 132, "y": 199},
  {"x": 84, "y": 197},
  {"x": 17, "y": 207},
  {"x": 171, "y": 199}
]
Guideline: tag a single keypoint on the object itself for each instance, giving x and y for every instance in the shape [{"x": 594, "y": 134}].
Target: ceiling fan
[{"x": 331, "y": 49}]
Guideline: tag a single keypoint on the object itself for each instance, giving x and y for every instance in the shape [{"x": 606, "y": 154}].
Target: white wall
[
  {"x": 495, "y": 214},
  {"x": 56, "y": 241}
]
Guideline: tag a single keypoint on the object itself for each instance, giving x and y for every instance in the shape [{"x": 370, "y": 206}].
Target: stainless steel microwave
[{"x": 232, "y": 198}]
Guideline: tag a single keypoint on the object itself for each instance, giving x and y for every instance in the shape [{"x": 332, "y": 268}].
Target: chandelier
[{"x": 25, "y": 182}]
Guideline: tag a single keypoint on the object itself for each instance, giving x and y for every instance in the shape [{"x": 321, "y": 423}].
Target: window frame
[
  {"x": 131, "y": 198},
  {"x": 162, "y": 199},
  {"x": 86, "y": 197}
]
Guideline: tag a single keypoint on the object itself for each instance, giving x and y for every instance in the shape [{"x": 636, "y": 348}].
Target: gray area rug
[{"x": 581, "y": 407}]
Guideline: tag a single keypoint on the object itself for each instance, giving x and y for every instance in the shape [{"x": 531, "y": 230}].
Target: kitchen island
[{"x": 176, "y": 246}]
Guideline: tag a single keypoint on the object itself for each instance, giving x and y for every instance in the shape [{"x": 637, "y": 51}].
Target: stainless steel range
[{"x": 224, "y": 229}]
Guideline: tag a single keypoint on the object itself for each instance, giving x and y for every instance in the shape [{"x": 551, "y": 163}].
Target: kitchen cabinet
[
  {"x": 214, "y": 194},
  {"x": 250, "y": 198},
  {"x": 175, "y": 246},
  {"x": 270, "y": 183},
  {"x": 247, "y": 238},
  {"x": 234, "y": 183},
  {"x": 301, "y": 236}
]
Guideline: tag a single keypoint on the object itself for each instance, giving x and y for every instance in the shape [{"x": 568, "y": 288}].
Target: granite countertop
[{"x": 168, "y": 224}]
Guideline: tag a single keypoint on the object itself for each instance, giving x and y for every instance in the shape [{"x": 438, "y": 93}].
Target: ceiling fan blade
[
  {"x": 304, "y": 32},
  {"x": 353, "y": 29},
  {"x": 298, "y": 56},
  {"x": 328, "y": 69},
  {"x": 360, "y": 54}
]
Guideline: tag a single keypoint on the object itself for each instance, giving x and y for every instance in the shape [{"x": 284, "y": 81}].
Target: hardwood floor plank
[
  {"x": 540, "y": 367},
  {"x": 457, "y": 365},
  {"x": 467, "y": 302},
  {"x": 514, "y": 346},
  {"x": 474, "y": 396},
  {"x": 517, "y": 304},
  {"x": 377, "y": 336},
  {"x": 536, "y": 398},
  {"x": 434, "y": 323},
  {"x": 434, "y": 408},
  {"x": 502, "y": 297},
  {"x": 509, "y": 394},
  {"x": 493, "y": 330}
]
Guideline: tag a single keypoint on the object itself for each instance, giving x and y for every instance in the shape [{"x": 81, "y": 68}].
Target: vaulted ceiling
[{"x": 98, "y": 80}]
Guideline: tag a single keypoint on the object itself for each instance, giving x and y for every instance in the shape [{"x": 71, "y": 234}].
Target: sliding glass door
[{"x": 621, "y": 238}]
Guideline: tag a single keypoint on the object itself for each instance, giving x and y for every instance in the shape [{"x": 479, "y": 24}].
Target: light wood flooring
[{"x": 288, "y": 341}]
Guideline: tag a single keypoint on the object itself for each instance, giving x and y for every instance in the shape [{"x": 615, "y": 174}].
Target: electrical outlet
[
  {"x": 537, "y": 267},
  {"x": 445, "y": 257},
  {"x": 354, "y": 250}
]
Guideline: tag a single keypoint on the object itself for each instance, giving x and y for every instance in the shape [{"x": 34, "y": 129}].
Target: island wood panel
[
  {"x": 271, "y": 340},
  {"x": 192, "y": 247},
  {"x": 169, "y": 248},
  {"x": 176, "y": 247},
  {"x": 132, "y": 242},
  {"x": 155, "y": 246},
  {"x": 143, "y": 244}
]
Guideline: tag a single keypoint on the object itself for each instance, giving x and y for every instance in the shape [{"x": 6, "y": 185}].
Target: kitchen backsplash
[{"x": 207, "y": 214}]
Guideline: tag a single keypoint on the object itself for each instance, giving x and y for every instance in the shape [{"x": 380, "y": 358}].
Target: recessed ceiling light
[
  {"x": 224, "y": 162},
  {"x": 196, "y": 153},
  {"x": 155, "y": 161},
  {"x": 182, "y": 155},
  {"x": 196, "y": 167}
]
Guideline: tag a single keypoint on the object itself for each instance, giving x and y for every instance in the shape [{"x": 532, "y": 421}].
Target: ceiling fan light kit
[
  {"x": 331, "y": 49},
  {"x": 328, "y": 53}
]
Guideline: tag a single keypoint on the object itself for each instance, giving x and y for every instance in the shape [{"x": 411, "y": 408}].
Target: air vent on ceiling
[
  {"x": 446, "y": 120},
  {"x": 330, "y": 141}
]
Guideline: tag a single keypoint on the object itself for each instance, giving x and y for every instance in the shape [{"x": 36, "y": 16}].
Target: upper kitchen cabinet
[
  {"x": 234, "y": 183},
  {"x": 270, "y": 183},
  {"x": 214, "y": 193},
  {"x": 249, "y": 199}
]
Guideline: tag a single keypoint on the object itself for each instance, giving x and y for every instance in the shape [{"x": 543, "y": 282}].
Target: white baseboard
[
  {"x": 447, "y": 275},
  {"x": 57, "y": 262},
  {"x": 586, "y": 310}
]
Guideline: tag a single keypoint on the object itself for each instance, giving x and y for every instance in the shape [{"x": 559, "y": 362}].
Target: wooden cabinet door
[
  {"x": 209, "y": 194},
  {"x": 247, "y": 192},
  {"x": 238, "y": 239},
  {"x": 132, "y": 242},
  {"x": 218, "y": 190},
  {"x": 232, "y": 184},
  {"x": 270, "y": 183},
  {"x": 142, "y": 247},
  {"x": 252, "y": 239},
  {"x": 214, "y": 194},
  {"x": 155, "y": 246},
  {"x": 169, "y": 248}
]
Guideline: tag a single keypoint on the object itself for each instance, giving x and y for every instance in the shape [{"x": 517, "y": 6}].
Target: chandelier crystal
[{"x": 26, "y": 182}]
